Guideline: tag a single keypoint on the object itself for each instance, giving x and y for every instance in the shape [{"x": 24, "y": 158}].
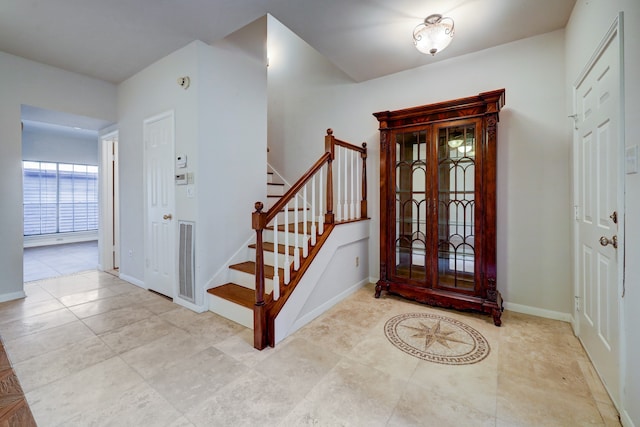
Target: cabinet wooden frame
[{"x": 480, "y": 113}]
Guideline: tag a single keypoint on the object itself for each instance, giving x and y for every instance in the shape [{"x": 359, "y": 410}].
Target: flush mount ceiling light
[{"x": 434, "y": 34}]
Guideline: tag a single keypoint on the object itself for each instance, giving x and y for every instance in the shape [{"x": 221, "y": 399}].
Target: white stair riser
[
  {"x": 248, "y": 280},
  {"x": 269, "y": 177},
  {"x": 275, "y": 189},
  {"x": 231, "y": 311},
  {"x": 269, "y": 257},
  {"x": 267, "y": 236},
  {"x": 292, "y": 217}
]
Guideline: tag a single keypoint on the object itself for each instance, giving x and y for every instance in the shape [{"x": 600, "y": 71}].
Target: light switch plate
[{"x": 631, "y": 159}]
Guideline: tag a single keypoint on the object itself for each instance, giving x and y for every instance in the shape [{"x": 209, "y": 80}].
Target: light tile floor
[
  {"x": 93, "y": 350},
  {"x": 43, "y": 262}
]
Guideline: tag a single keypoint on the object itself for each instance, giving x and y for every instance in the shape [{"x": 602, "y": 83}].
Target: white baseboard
[
  {"x": 12, "y": 296},
  {"x": 189, "y": 305},
  {"x": 133, "y": 280},
  {"x": 626, "y": 419},
  {"x": 60, "y": 238},
  {"x": 540, "y": 312}
]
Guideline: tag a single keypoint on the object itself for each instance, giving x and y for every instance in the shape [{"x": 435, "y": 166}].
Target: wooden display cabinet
[{"x": 438, "y": 203}]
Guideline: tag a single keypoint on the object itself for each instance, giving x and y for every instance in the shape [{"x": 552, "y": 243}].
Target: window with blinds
[{"x": 59, "y": 197}]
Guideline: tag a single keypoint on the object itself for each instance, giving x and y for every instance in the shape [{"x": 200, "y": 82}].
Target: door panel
[
  {"x": 159, "y": 151},
  {"x": 598, "y": 146}
]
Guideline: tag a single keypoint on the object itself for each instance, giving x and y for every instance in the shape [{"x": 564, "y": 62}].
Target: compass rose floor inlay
[{"x": 436, "y": 338}]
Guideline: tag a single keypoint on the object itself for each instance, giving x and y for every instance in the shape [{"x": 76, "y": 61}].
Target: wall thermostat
[{"x": 181, "y": 179}]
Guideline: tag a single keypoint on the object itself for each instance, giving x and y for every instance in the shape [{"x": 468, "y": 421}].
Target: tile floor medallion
[{"x": 436, "y": 338}]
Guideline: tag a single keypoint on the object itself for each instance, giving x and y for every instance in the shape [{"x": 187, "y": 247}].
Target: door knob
[
  {"x": 169, "y": 216},
  {"x": 613, "y": 241}
]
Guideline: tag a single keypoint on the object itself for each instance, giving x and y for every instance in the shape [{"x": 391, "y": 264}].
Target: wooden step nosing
[{"x": 234, "y": 293}]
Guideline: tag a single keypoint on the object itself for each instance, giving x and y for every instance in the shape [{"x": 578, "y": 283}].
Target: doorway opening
[{"x": 60, "y": 163}]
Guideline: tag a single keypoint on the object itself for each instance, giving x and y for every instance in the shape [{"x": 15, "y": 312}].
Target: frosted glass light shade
[{"x": 434, "y": 34}]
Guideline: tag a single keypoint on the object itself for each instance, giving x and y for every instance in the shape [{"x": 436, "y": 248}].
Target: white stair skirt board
[
  {"x": 222, "y": 275},
  {"x": 307, "y": 301},
  {"x": 230, "y": 310}
]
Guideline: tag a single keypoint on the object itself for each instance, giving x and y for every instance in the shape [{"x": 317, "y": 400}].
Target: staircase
[
  {"x": 289, "y": 235},
  {"x": 235, "y": 299}
]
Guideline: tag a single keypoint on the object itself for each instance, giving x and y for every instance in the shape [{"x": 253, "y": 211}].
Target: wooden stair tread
[
  {"x": 235, "y": 293},
  {"x": 250, "y": 267},
  {"x": 275, "y": 183},
  {"x": 268, "y": 247}
]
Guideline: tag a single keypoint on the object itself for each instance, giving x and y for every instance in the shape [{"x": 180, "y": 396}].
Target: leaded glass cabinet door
[
  {"x": 458, "y": 171},
  {"x": 413, "y": 205}
]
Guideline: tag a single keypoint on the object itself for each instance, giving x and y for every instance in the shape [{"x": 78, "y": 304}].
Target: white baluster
[
  {"x": 345, "y": 205},
  {"x": 358, "y": 186},
  {"x": 287, "y": 262},
  {"x": 276, "y": 277},
  {"x": 313, "y": 210},
  {"x": 305, "y": 245},
  {"x": 320, "y": 204},
  {"x": 296, "y": 250},
  {"x": 338, "y": 203},
  {"x": 352, "y": 211}
]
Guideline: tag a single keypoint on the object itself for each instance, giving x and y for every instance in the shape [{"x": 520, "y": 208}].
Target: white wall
[
  {"x": 297, "y": 119},
  {"x": 534, "y": 142},
  {"x": 51, "y": 143},
  {"x": 589, "y": 23},
  {"x": 220, "y": 125},
  {"x": 233, "y": 145},
  {"x": 30, "y": 83},
  {"x": 152, "y": 91}
]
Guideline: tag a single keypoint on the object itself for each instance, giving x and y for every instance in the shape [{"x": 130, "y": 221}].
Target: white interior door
[
  {"x": 599, "y": 183},
  {"x": 160, "y": 256},
  {"x": 109, "y": 231}
]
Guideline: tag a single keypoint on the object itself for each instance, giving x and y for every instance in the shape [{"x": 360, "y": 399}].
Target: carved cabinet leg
[
  {"x": 497, "y": 313},
  {"x": 378, "y": 290}
]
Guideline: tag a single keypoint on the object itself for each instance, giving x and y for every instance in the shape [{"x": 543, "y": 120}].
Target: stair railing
[{"x": 318, "y": 219}]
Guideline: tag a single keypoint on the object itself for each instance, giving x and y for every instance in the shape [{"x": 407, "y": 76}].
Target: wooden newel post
[
  {"x": 260, "y": 338},
  {"x": 329, "y": 147},
  {"x": 363, "y": 202}
]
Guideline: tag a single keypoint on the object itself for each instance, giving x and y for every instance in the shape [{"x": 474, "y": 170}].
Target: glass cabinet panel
[
  {"x": 456, "y": 206},
  {"x": 411, "y": 204}
]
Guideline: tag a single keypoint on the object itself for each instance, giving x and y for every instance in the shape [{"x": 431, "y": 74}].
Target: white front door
[
  {"x": 598, "y": 200},
  {"x": 160, "y": 256}
]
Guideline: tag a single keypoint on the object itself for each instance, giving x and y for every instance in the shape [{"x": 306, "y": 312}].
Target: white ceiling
[{"x": 112, "y": 40}]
